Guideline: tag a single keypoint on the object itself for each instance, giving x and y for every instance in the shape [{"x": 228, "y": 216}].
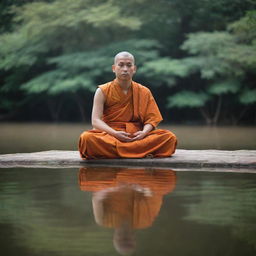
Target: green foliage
[
  {"x": 102, "y": 58},
  {"x": 223, "y": 54},
  {"x": 62, "y": 25},
  {"x": 165, "y": 70},
  {"x": 166, "y": 67},
  {"x": 82, "y": 70},
  {"x": 57, "y": 47},
  {"x": 187, "y": 99},
  {"x": 55, "y": 82},
  {"x": 15, "y": 52},
  {"x": 245, "y": 28},
  {"x": 241, "y": 57},
  {"x": 207, "y": 44},
  {"x": 248, "y": 96},
  {"x": 224, "y": 87},
  {"x": 224, "y": 59},
  {"x": 212, "y": 52}
]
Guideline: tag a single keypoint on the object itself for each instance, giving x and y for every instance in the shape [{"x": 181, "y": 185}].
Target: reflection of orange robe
[
  {"x": 136, "y": 197},
  {"x": 128, "y": 112}
]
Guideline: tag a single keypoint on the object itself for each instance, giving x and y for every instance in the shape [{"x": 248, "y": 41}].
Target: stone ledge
[{"x": 182, "y": 159}]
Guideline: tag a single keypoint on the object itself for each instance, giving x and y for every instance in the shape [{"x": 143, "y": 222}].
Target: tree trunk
[
  {"x": 206, "y": 116},
  {"x": 217, "y": 111}
]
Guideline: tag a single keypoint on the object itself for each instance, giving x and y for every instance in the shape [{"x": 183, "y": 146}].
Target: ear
[
  {"x": 113, "y": 68},
  {"x": 135, "y": 69}
]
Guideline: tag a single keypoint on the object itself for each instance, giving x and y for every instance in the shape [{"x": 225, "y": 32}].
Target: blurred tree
[
  {"x": 60, "y": 49},
  {"x": 57, "y": 28},
  {"x": 82, "y": 71},
  {"x": 224, "y": 61}
]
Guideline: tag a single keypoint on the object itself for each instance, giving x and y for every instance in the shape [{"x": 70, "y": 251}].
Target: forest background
[{"x": 197, "y": 56}]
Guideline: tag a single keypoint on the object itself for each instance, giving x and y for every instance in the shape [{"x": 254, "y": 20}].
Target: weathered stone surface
[{"x": 182, "y": 159}]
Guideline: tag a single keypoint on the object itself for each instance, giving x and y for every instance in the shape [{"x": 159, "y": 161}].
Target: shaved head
[{"x": 124, "y": 55}]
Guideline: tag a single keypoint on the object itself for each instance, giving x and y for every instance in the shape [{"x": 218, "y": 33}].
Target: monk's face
[{"x": 124, "y": 68}]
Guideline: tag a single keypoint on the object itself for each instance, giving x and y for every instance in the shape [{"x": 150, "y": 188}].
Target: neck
[{"x": 124, "y": 84}]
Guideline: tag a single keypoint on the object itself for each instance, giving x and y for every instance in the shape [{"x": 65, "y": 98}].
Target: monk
[
  {"x": 126, "y": 199},
  {"x": 124, "y": 119}
]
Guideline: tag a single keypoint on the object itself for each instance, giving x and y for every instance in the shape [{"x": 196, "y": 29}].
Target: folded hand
[
  {"x": 138, "y": 135},
  {"x": 123, "y": 136}
]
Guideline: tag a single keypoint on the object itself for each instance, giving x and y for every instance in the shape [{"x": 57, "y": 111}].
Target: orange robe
[
  {"x": 136, "y": 195},
  {"x": 128, "y": 112}
]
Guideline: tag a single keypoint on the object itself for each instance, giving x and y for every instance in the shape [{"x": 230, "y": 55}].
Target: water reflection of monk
[{"x": 126, "y": 199}]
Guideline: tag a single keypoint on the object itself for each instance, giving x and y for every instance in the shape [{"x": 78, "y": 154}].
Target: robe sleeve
[{"x": 152, "y": 114}]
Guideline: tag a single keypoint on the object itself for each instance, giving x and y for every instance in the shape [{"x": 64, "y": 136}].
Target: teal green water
[
  {"x": 32, "y": 137},
  {"x": 54, "y": 212}
]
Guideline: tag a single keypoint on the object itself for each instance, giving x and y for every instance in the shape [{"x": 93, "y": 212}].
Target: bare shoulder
[
  {"x": 98, "y": 91},
  {"x": 105, "y": 87},
  {"x": 99, "y": 95}
]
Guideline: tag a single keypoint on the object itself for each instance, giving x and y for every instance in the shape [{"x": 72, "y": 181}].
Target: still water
[
  {"x": 115, "y": 211},
  {"x": 31, "y": 137}
]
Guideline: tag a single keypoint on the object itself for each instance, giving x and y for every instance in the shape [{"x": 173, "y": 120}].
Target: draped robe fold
[
  {"x": 128, "y": 112},
  {"x": 133, "y": 196}
]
